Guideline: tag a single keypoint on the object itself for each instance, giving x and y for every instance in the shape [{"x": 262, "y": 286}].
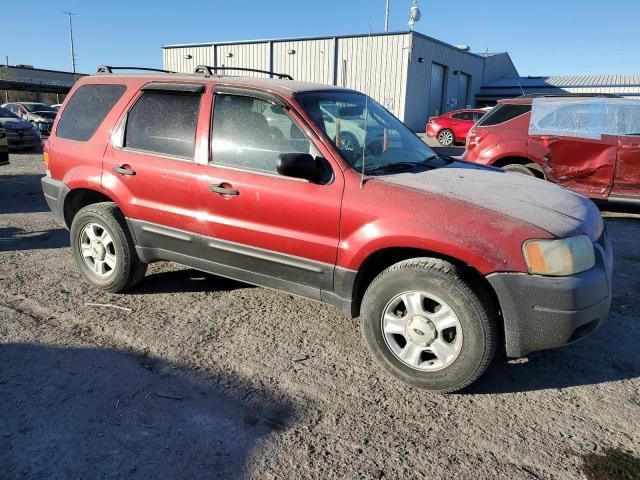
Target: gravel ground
[{"x": 201, "y": 377}]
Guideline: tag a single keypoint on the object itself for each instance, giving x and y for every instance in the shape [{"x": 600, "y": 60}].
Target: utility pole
[
  {"x": 73, "y": 53},
  {"x": 386, "y": 18}
]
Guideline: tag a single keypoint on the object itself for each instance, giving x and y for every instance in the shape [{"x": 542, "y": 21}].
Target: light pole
[{"x": 73, "y": 54}]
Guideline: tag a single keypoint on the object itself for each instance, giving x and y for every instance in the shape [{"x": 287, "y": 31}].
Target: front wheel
[
  {"x": 427, "y": 326},
  {"x": 103, "y": 248}
]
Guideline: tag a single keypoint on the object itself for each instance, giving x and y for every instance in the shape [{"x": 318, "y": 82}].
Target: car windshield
[
  {"x": 367, "y": 135},
  {"x": 38, "y": 107},
  {"x": 4, "y": 113}
]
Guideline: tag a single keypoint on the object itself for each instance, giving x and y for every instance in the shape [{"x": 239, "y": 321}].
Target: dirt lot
[{"x": 201, "y": 377}]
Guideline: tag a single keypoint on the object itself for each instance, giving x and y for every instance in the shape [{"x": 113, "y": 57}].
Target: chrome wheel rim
[
  {"x": 98, "y": 250},
  {"x": 446, "y": 138},
  {"x": 422, "y": 331},
  {"x": 346, "y": 143}
]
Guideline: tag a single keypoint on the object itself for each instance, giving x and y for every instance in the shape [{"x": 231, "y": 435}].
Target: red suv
[
  {"x": 453, "y": 126},
  {"x": 604, "y": 167},
  {"x": 441, "y": 259}
]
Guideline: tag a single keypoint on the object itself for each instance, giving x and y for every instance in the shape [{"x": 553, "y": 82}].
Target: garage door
[{"x": 436, "y": 90}]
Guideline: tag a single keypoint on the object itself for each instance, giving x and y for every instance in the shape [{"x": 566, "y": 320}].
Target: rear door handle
[
  {"x": 224, "y": 189},
  {"x": 124, "y": 170}
]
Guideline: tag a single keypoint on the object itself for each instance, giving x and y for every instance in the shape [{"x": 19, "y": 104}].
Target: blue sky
[{"x": 542, "y": 37}]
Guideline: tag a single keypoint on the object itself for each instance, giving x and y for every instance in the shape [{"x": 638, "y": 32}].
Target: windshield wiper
[{"x": 396, "y": 167}]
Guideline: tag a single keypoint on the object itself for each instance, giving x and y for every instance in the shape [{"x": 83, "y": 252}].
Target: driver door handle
[
  {"x": 224, "y": 189},
  {"x": 124, "y": 170}
]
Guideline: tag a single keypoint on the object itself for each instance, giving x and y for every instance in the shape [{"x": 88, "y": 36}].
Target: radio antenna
[{"x": 366, "y": 108}]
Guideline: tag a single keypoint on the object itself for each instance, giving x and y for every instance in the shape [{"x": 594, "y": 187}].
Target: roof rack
[
  {"x": 110, "y": 69},
  {"x": 575, "y": 95},
  {"x": 209, "y": 70}
]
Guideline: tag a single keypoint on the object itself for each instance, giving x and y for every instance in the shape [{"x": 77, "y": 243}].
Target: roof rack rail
[
  {"x": 209, "y": 70},
  {"x": 110, "y": 69},
  {"x": 569, "y": 95}
]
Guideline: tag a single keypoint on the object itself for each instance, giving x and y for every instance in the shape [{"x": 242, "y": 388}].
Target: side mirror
[{"x": 298, "y": 165}]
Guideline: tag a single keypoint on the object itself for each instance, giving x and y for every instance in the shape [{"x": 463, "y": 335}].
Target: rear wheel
[
  {"x": 427, "y": 326},
  {"x": 103, "y": 248},
  {"x": 446, "y": 137}
]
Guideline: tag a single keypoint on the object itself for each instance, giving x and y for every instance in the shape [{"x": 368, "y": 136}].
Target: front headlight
[{"x": 564, "y": 256}]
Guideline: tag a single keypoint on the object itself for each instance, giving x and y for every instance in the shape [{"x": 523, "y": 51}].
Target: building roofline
[
  {"x": 34, "y": 69},
  {"x": 320, "y": 37},
  {"x": 283, "y": 39}
]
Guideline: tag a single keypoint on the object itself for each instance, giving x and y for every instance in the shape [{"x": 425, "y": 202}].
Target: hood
[
  {"x": 46, "y": 115},
  {"x": 11, "y": 123},
  {"x": 558, "y": 211}
]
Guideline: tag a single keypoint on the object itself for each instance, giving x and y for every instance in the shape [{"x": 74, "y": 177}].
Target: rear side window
[
  {"x": 164, "y": 122},
  {"x": 463, "y": 116},
  {"x": 503, "y": 113},
  {"x": 86, "y": 110}
]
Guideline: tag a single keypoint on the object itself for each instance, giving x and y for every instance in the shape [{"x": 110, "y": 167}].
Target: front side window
[
  {"x": 368, "y": 137},
  {"x": 250, "y": 133},
  {"x": 86, "y": 110},
  {"x": 164, "y": 122}
]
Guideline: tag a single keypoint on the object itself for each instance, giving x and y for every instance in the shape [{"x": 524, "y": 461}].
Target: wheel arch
[
  {"x": 79, "y": 198},
  {"x": 519, "y": 160},
  {"x": 380, "y": 260}
]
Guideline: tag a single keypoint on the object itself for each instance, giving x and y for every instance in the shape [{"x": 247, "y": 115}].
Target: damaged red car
[{"x": 588, "y": 144}]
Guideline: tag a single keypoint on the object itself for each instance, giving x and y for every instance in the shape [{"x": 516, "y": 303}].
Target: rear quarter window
[
  {"x": 86, "y": 110},
  {"x": 503, "y": 113}
]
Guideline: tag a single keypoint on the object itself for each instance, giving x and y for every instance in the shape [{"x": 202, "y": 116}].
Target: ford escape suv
[{"x": 444, "y": 261}]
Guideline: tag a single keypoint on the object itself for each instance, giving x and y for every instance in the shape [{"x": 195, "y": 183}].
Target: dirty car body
[
  {"x": 437, "y": 256},
  {"x": 602, "y": 167}
]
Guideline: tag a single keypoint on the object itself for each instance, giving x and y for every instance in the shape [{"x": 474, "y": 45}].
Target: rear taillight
[
  {"x": 474, "y": 137},
  {"x": 45, "y": 159}
]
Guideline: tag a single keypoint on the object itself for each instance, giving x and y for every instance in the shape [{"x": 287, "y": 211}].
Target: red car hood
[{"x": 558, "y": 211}]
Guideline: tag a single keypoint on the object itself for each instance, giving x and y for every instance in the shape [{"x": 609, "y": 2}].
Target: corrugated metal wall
[
  {"x": 395, "y": 69},
  {"x": 305, "y": 60},
  {"x": 424, "y": 54},
  {"x": 174, "y": 58},
  {"x": 246, "y": 55},
  {"x": 377, "y": 66}
]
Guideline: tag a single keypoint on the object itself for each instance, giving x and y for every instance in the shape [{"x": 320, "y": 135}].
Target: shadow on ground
[
  {"x": 21, "y": 194},
  {"x": 93, "y": 413},
  {"x": 187, "y": 280},
  {"x": 13, "y": 239}
]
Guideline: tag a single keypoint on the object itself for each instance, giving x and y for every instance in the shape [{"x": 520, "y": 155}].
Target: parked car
[
  {"x": 4, "y": 147},
  {"x": 39, "y": 114},
  {"x": 602, "y": 167},
  {"x": 20, "y": 134},
  {"x": 453, "y": 126},
  {"x": 341, "y": 125},
  {"x": 444, "y": 261}
]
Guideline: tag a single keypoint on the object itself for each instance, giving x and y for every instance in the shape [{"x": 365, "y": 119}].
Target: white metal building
[{"x": 413, "y": 75}]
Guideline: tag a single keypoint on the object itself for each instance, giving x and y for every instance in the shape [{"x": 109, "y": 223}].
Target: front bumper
[
  {"x": 54, "y": 193},
  {"x": 548, "y": 312},
  {"x": 23, "y": 139}
]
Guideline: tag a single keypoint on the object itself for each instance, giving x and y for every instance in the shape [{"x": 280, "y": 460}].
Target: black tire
[
  {"x": 521, "y": 169},
  {"x": 446, "y": 137},
  {"x": 129, "y": 270},
  {"x": 471, "y": 304}
]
